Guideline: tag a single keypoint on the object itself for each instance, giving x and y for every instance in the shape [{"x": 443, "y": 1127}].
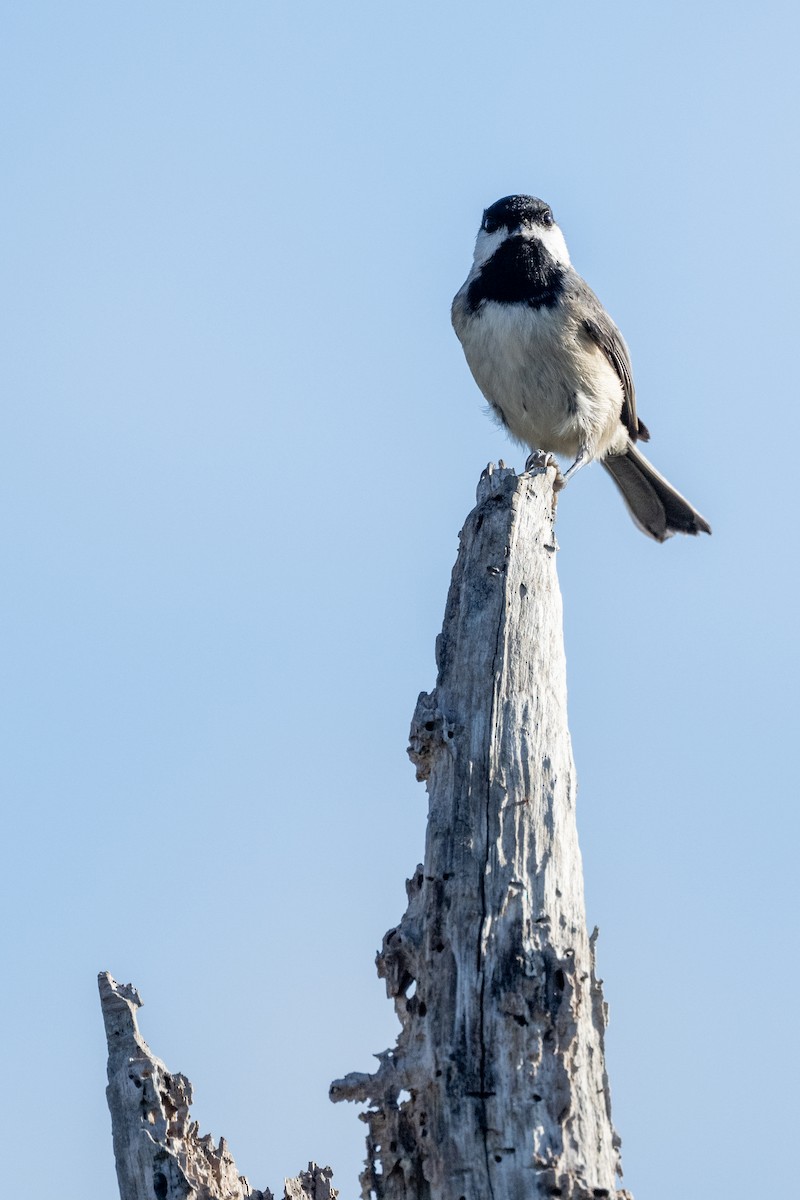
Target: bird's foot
[
  {"x": 537, "y": 463},
  {"x": 583, "y": 458}
]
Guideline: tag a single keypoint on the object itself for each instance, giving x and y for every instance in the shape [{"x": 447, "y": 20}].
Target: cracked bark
[
  {"x": 497, "y": 1085},
  {"x": 158, "y": 1149}
]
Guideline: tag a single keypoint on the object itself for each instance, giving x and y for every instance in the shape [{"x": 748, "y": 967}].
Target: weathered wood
[
  {"x": 497, "y": 1085},
  {"x": 159, "y": 1152}
]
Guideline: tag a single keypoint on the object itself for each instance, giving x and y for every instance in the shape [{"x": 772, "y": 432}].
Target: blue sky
[{"x": 239, "y": 440}]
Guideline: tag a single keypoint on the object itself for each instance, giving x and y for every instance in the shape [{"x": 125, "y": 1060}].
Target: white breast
[{"x": 553, "y": 387}]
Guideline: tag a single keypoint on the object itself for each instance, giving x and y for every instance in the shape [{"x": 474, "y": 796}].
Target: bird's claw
[{"x": 537, "y": 463}]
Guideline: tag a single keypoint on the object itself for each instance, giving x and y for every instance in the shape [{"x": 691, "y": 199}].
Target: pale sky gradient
[{"x": 239, "y": 440}]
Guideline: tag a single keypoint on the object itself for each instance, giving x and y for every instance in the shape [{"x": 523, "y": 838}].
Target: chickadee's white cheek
[
  {"x": 553, "y": 241},
  {"x": 487, "y": 243}
]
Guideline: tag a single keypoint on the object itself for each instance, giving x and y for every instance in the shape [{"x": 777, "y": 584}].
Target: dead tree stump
[
  {"x": 159, "y": 1151},
  {"x": 497, "y": 1088}
]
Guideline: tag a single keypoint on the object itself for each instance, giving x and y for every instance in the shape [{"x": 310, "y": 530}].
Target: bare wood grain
[
  {"x": 158, "y": 1149},
  {"x": 496, "y": 1089}
]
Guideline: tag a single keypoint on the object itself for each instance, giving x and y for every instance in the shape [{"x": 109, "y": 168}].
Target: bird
[{"x": 553, "y": 365}]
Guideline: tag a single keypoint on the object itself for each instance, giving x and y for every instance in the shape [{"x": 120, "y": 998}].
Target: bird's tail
[{"x": 653, "y": 503}]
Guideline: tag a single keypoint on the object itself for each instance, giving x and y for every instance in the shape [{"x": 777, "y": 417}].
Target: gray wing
[{"x": 601, "y": 330}]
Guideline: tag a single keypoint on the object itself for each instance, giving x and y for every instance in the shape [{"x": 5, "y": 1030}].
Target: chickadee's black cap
[{"x": 511, "y": 210}]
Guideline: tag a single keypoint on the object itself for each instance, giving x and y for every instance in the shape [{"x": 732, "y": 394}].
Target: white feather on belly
[{"x": 555, "y": 389}]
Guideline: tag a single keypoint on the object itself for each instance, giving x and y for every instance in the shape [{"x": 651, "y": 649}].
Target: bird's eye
[
  {"x": 547, "y": 217},
  {"x": 489, "y": 226}
]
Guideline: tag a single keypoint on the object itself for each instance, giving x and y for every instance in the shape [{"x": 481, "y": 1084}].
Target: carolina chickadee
[{"x": 552, "y": 363}]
